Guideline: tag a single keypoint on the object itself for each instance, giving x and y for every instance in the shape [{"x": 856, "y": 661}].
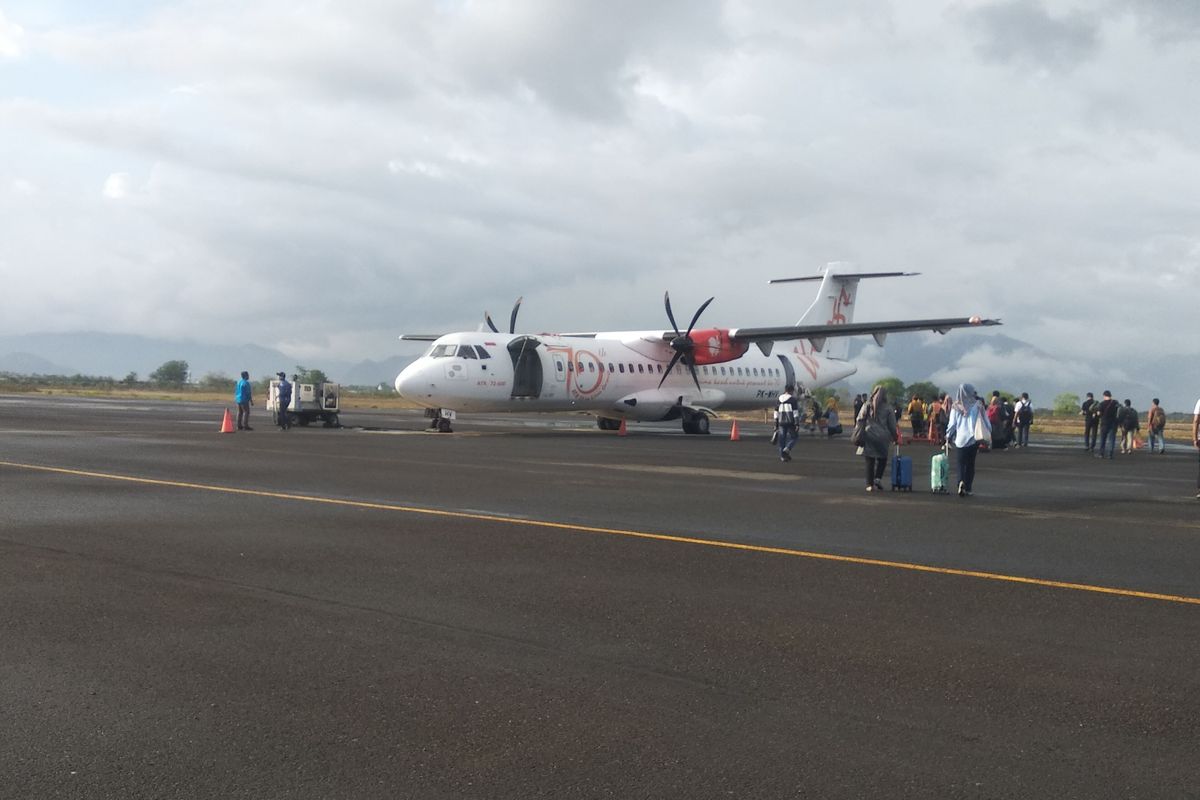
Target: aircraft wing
[{"x": 819, "y": 333}]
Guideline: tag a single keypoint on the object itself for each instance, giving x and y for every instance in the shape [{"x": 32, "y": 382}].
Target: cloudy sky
[{"x": 322, "y": 176}]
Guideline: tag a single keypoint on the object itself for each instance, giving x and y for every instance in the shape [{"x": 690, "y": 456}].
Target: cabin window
[
  {"x": 611, "y": 368},
  {"x": 466, "y": 351},
  {"x": 722, "y": 370},
  {"x": 558, "y": 366},
  {"x": 570, "y": 366},
  {"x": 591, "y": 366},
  {"x": 631, "y": 369},
  {"x": 641, "y": 368},
  {"x": 659, "y": 366},
  {"x": 482, "y": 353},
  {"x": 442, "y": 351},
  {"x": 622, "y": 366},
  {"x": 579, "y": 366}
]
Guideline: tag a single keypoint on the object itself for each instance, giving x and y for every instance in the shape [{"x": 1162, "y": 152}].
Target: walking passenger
[
  {"x": 1023, "y": 415},
  {"x": 1156, "y": 421},
  {"x": 1090, "y": 411},
  {"x": 1107, "y": 410},
  {"x": 878, "y": 422},
  {"x": 787, "y": 422},
  {"x": 968, "y": 426},
  {"x": 1129, "y": 427},
  {"x": 916, "y": 416},
  {"x": 1196, "y": 440}
]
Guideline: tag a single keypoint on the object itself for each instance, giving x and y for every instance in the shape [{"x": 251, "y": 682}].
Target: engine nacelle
[{"x": 713, "y": 346}]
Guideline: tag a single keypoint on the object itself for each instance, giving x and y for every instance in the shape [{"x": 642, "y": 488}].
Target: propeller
[
  {"x": 682, "y": 344},
  {"x": 512, "y": 321}
]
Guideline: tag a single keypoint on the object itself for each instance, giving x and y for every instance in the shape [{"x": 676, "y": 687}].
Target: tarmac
[{"x": 531, "y": 607}]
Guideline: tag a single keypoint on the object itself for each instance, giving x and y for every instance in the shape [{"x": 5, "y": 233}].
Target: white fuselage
[{"x": 614, "y": 375}]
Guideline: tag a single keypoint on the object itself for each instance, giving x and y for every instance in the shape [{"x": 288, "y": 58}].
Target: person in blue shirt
[
  {"x": 284, "y": 400},
  {"x": 244, "y": 397}
]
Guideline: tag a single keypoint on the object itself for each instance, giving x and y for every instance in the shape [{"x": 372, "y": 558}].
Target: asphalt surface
[{"x": 531, "y": 607}]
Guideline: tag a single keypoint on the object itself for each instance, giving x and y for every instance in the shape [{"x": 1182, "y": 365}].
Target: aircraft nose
[{"x": 409, "y": 382}]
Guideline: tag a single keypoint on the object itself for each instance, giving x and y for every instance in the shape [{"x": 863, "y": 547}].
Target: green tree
[
  {"x": 894, "y": 388},
  {"x": 172, "y": 373},
  {"x": 216, "y": 381},
  {"x": 924, "y": 390},
  {"x": 305, "y": 375},
  {"x": 1066, "y": 403},
  {"x": 130, "y": 379}
]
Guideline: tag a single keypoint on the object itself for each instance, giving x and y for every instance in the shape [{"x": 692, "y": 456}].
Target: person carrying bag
[{"x": 967, "y": 429}]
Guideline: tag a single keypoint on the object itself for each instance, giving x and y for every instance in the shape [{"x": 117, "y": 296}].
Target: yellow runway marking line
[{"x": 659, "y": 537}]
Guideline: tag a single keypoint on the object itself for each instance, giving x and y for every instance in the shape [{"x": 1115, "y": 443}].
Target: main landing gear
[{"x": 695, "y": 422}]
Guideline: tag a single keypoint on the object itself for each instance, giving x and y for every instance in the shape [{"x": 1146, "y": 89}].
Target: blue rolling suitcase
[{"x": 901, "y": 472}]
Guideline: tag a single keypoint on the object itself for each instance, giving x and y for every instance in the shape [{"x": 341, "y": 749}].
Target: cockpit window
[
  {"x": 482, "y": 353},
  {"x": 442, "y": 351},
  {"x": 466, "y": 351}
]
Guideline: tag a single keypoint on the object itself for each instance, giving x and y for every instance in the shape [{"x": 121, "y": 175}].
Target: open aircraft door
[
  {"x": 527, "y": 367},
  {"x": 789, "y": 372}
]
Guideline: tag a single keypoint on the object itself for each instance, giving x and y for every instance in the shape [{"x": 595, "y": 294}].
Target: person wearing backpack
[
  {"x": 1129, "y": 427},
  {"x": 787, "y": 422},
  {"x": 1023, "y": 413},
  {"x": 1156, "y": 420}
]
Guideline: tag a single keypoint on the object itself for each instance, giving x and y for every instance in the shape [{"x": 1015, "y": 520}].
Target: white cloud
[
  {"x": 11, "y": 38},
  {"x": 1035, "y": 163},
  {"x": 117, "y": 186},
  {"x": 22, "y": 187}
]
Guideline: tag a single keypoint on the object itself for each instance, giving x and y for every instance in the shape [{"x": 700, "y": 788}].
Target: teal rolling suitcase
[{"x": 939, "y": 472}]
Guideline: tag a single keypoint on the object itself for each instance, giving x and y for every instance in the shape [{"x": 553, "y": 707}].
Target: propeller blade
[
  {"x": 674, "y": 360},
  {"x": 512, "y": 321},
  {"x": 692, "y": 368},
  {"x": 695, "y": 317},
  {"x": 670, "y": 316},
  {"x": 488, "y": 319}
]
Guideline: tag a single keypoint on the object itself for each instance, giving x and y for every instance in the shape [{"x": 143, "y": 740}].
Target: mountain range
[
  {"x": 116, "y": 355},
  {"x": 988, "y": 359}
]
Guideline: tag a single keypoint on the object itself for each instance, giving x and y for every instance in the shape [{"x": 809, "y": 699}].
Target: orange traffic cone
[
  {"x": 621, "y": 430},
  {"x": 227, "y": 422},
  {"x": 733, "y": 432}
]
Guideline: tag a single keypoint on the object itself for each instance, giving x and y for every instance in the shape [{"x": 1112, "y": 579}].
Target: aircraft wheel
[
  {"x": 702, "y": 424},
  {"x": 443, "y": 425}
]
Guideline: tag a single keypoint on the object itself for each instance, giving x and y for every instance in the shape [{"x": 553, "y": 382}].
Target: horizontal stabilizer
[{"x": 848, "y": 276}]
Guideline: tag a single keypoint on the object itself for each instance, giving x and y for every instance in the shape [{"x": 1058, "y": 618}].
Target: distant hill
[
  {"x": 987, "y": 358},
  {"x": 116, "y": 355},
  {"x": 30, "y": 364}
]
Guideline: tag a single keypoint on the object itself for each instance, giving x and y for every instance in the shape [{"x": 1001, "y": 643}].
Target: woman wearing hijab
[
  {"x": 967, "y": 418},
  {"x": 878, "y": 420}
]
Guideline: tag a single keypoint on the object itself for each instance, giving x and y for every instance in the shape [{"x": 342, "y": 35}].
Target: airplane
[{"x": 652, "y": 375}]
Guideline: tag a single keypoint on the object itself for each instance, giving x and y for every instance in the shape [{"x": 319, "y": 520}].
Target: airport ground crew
[{"x": 243, "y": 395}]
